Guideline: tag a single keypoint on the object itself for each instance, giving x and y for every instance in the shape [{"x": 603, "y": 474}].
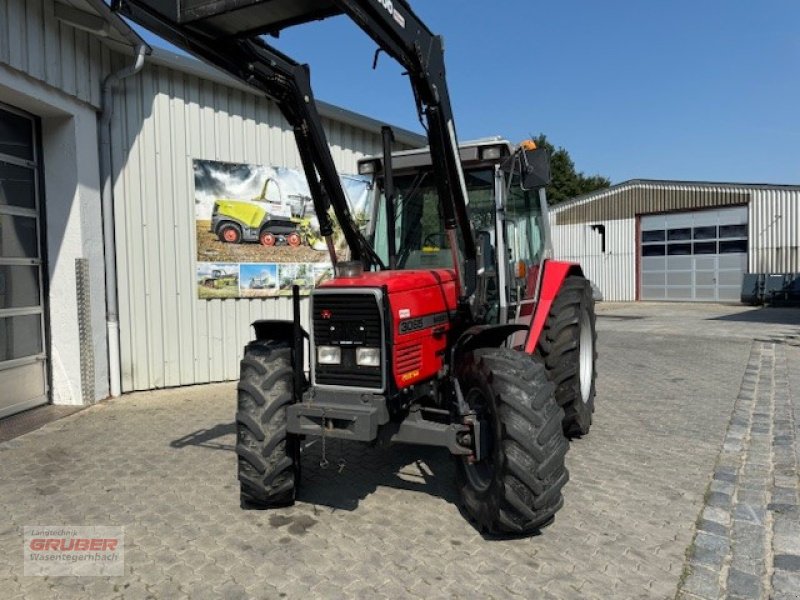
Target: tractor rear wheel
[
  {"x": 230, "y": 233},
  {"x": 268, "y": 456},
  {"x": 567, "y": 346},
  {"x": 516, "y": 487}
]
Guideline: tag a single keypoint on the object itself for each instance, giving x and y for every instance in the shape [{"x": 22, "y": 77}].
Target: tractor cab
[{"x": 507, "y": 213}]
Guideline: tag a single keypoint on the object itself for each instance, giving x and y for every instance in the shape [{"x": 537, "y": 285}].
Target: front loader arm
[
  {"x": 402, "y": 35},
  {"x": 228, "y": 33}
]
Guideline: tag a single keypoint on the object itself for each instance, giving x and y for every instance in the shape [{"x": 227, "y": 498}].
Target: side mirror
[{"x": 535, "y": 167}]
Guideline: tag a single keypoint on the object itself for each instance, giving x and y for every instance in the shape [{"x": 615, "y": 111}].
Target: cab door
[{"x": 524, "y": 241}]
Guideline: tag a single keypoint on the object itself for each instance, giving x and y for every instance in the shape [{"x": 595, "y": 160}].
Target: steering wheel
[{"x": 437, "y": 240}]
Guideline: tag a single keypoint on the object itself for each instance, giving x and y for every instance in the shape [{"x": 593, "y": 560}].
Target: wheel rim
[
  {"x": 293, "y": 239},
  {"x": 230, "y": 234},
  {"x": 481, "y": 474},
  {"x": 267, "y": 239},
  {"x": 586, "y": 356}
]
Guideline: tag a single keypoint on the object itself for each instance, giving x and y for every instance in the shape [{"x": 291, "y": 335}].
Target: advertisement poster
[{"x": 257, "y": 231}]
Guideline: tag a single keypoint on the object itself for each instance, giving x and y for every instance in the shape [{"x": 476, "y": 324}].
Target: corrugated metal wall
[
  {"x": 774, "y": 231},
  {"x": 163, "y": 120},
  {"x": 640, "y": 198},
  {"x": 613, "y": 271},
  {"x": 47, "y": 50}
]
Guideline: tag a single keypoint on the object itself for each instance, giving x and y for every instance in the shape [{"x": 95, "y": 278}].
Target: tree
[{"x": 567, "y": 183}]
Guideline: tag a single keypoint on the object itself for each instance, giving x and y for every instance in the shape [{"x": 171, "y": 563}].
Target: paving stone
[
  {"x": 743, "y": 584},
  {"x": 764, "y": 530},
  {"x": 787, "y": 562},
  {"x": 750, "y": 513},
  {"x": 162, "y": 464},
  {"x": 712, "y": 527},
  {"x": 702, "y": 582}
]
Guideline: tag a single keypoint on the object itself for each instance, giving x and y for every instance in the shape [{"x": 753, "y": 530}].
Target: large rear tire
[
  {"x": 516, "y": 489},
  {"x": 567, "y": 346},
  {"x": 268, "y": 456}
]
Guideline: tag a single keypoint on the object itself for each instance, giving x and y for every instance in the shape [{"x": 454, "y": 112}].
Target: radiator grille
[{"x": 348, "y": 321}]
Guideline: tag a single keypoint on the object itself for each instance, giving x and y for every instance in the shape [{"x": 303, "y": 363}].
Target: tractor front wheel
[
  {"x": 230, "y": 234},
  {"x": 268, "y": 456},
  {"x": 516, "y": 486},
  {"x": 567, "y": 348}
]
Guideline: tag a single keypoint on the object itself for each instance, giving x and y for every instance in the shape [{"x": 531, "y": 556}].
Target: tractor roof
[{"x": 473, "y": 152}]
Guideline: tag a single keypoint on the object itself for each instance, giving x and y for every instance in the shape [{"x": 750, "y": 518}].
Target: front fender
[
  {"x": 555, "y": 272},
  {"x": 484, "y": 336}
]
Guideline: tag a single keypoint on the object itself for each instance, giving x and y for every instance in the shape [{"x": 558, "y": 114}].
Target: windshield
[{"x": 419, "y": 223}]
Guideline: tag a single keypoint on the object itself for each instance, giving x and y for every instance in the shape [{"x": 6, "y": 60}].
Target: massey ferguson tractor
[{"x": 447, "y": 323}]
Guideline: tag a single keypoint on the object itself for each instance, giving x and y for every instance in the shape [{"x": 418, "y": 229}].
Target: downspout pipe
[{"x": 110, "y": 83}]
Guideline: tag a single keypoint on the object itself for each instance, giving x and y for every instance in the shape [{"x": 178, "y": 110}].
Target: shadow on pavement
[
  {"x": 773, "y": 315},
  {"x": 204, "y": 438},
  {"x": 355, "y": 471}
]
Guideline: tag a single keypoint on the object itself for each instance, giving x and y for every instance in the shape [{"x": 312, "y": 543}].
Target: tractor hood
[{"x": 396, "y": 281}]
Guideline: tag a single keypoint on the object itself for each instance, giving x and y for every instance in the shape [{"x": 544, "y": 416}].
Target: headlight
[
  {"x": 329, "y": 355},
  {"x": 368, "y": 357}
]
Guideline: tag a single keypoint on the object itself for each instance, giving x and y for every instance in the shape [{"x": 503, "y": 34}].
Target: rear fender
[
  {"x": 555, "y": 272},
  {"x": 293, "y": 334},
  {"x": 274, "y": 330}
]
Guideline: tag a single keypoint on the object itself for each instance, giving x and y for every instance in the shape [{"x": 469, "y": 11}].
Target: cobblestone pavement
[
  {"x": 748, "y": 539},
  {"x": 161, "y": 465}
]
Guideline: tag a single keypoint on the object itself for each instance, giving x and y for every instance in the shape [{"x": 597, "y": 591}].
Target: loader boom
[{"x": 227, "y": 33}]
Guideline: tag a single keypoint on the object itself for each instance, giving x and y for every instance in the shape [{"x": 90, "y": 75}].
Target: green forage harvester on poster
[{"x": 257, "y": 232}]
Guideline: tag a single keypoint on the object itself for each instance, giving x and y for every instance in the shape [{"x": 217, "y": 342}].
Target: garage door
[
  {"x": 23, "y": 381},
  {"x": 693, "y": 256}
]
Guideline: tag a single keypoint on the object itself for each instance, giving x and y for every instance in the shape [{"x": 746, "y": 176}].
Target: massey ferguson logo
[{"x": 399, "y": 19}]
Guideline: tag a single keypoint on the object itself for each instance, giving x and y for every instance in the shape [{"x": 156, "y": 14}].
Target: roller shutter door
[{"x": 693, "y": 256}]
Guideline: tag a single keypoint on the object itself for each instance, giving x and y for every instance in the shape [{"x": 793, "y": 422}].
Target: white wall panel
[
  {"x": 34, "y": 42},
  {"x": 775, "y": 231},
  {"x": 163, "y": 120},
  {"x": 613, "y": 271}
]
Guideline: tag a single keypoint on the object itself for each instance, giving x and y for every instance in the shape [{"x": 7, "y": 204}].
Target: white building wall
[
  {"x": 613, "y": 271},
  {"x": 34, "y": 42},
  {"x": 73, "y": 228},
  {"x": 163, "y": 119},
  {"x": 774, "y": 231}
]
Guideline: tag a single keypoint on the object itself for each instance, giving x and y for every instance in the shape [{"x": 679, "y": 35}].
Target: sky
[{"x": 687, "y": 89}]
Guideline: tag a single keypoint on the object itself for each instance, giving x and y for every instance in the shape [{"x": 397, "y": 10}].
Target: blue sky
[{"x": 705, "y": 90}]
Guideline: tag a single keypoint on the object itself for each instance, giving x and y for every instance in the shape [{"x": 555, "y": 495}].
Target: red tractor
[{"x": 448, "y": 324}]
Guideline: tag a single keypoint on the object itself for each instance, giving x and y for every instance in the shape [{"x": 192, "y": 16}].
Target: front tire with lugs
[
  {"x": 268, "y": 456},
  {"x": 516, "y": 488},
  {"x": 567, "y": 346}
]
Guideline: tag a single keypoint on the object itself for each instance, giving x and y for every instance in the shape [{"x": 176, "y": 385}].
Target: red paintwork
[
  {"x": 418, "y": 355},
  {"x": 555, "y": 272},
  {"x": 395, "y": 281}
]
